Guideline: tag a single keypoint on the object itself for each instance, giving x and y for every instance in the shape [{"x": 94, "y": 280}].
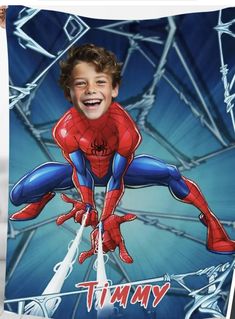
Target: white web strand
[
  {"x": 62, "y": 271},
  {"x": 107, "y": 309}
]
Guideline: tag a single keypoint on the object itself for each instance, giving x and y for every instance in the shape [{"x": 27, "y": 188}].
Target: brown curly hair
[{"x": 104, "y": 61}]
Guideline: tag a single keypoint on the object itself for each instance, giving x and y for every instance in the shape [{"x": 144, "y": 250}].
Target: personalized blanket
[{"x": 122, "y": 145}]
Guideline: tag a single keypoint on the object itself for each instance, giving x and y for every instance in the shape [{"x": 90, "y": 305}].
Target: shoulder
[
  {"x": 65, "y": 129},
  {"x": 129, "y": 135},
  {"x": 62, "y": 127},
  {"x": 122, "y": 119},
  {"x": 120, "y": 116}
]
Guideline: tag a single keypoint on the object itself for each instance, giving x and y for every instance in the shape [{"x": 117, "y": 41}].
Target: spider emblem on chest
[{"x": 99, "y": 147}]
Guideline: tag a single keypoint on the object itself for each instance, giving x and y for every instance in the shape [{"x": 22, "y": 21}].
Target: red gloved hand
[
  {"x": 111, "y": 237},
  {"x": 77, "y": 212}
]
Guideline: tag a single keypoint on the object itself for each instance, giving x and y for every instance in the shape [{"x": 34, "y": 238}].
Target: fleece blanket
[{"x": 121, "y": 186}]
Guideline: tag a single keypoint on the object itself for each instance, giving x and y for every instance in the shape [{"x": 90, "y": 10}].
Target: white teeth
[{"x": 91, "y": 102}]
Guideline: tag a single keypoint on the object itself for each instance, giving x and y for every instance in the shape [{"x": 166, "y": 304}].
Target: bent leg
[
  {"x": 46, "y": 178},
  {"x": 147, "y": 171}
]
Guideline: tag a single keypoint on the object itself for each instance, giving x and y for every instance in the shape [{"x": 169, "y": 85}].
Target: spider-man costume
[{"x": 101, "y": 153}]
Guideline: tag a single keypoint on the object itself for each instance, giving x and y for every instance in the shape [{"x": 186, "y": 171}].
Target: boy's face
[{"x": 91, "y": 92}]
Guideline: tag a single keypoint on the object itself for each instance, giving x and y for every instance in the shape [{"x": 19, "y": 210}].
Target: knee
[
  {"x": 16, "y": 195},
  {"x": 174, "y": 172},
  {"x": 177, "y": 185}
]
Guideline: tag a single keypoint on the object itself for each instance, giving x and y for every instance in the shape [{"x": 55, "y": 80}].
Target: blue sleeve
[
  {"x": 118, "y": 169},
  {"x": 83, "y": 174}
]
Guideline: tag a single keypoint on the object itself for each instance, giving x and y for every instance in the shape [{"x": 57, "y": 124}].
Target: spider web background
[{"x": 172, "y": 87}]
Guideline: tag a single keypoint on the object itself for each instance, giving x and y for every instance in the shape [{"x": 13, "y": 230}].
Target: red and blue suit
[{"x": 101, "y": 152}]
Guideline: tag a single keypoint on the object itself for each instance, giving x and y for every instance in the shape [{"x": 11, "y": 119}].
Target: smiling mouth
[{"x": 92, "y": 103}]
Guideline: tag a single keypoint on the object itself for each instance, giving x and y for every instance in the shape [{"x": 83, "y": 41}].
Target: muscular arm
[
  {"x": 128, "y": 142},
  {"x": 64, "y": 134},
  {"x": 82, "y": 178},
  {"x": 115, "y": 187},
  {"x": 84, "y": 184}
]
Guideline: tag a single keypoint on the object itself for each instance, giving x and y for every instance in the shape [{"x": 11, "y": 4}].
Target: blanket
[{"x": 120, "y": 172}]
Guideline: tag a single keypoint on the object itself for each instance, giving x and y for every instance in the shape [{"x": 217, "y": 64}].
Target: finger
[
  {"x": 127, "y": 218},
  {"x": 62, "y": 218},
  {"x": 106, "y": 249},
  {"x": 67, "y": 199},
  {"x": 84, "y": 255},
  {"x": 123, "y": 253},
  {"x": 93, "y": 219},
  {"x": 78, "y": 216},
  {"x": 94, "y": 237},
  {"x": 108, "y": 243}
]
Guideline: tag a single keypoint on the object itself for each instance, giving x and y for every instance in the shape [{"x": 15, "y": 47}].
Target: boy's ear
[{"x": 115, "y": 91}]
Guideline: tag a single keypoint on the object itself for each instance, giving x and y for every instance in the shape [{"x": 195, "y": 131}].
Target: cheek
[
  {"x": 108, "y": 93},
  {"x": 75, "y": 95}
]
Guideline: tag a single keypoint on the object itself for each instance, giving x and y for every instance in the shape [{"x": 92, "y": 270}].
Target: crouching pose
[{"x": 98, "y": 139}]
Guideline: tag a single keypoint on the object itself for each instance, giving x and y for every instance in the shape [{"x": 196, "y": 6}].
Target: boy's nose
[{"x": 90, "y": 89}]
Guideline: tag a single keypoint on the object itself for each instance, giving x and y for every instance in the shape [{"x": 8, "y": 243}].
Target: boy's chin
[{"x": 93, "y": 115}]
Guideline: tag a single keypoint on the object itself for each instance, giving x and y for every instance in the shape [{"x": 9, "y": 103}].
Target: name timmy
[{"x": 120, "y": 294}]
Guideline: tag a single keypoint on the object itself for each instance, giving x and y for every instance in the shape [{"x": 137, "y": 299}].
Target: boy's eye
[
  {"x": 80, "y": 83},
  {"x": 100, "y": 82}
]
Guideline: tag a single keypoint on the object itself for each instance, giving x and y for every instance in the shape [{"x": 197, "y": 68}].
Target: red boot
[
  {"x": 217, "y": 239},
  {"x": 32, "y": 210}
]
